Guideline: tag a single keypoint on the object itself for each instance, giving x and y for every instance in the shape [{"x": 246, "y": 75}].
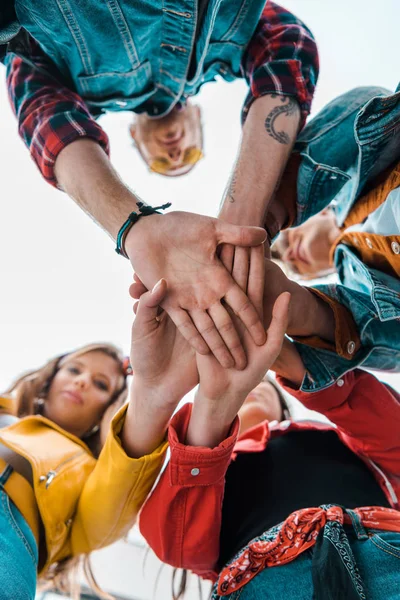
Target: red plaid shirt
[{"x": 281, "y": 58}]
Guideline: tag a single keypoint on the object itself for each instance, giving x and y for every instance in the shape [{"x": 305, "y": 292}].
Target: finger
[
  {"x": 226, "y": 256},
  {"x": 277, "y": 329},
  {"x": 256, "y": 278},
  {"x": 149, "y": 302},
  {"x": 240, "y": 271},
  {"x": 246, "y": 312},
  {"x": 186, "y": 327},
  {"x": 137, "y": 278},
  {"x": 136, "y": 290},
  {"x": 205, "y": 325},
  {"x": 239, "y": 235},
  {"x": 135, "y": 307},
  {"x": 228, "y": 333}
]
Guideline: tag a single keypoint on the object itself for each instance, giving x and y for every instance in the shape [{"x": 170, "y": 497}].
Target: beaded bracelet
[{"x": 144, "y": 211}]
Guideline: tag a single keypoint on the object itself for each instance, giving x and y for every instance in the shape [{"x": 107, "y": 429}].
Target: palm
[{"x": 162, "y": 357}]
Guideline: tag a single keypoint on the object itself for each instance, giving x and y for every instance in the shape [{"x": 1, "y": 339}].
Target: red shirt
[{"x": 181, "y": 520}]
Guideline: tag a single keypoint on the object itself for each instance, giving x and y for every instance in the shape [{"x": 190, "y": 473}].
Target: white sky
[{"x": 61, "y": 282}]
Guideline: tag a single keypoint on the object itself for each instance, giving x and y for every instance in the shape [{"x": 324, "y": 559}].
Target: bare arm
[
  {"x": 85, "y": 173},
  {"x": 268, "y": 136}
]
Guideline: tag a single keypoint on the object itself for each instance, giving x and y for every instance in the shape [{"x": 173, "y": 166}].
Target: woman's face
[
  {"x": 306, "y": 249},
  {"x": 262, "y": 404},
  {"x": 81, "y": 391}
]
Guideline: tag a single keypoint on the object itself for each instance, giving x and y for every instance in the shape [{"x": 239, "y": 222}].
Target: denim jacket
[
  {"x": 353, "y": 139},
  {"x": 139, "y": 59}
]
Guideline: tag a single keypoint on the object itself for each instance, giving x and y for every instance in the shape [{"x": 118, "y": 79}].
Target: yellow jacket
[{"x": 84, "y": 503}]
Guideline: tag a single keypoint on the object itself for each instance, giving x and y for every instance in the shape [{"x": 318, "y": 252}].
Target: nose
[
  {"x": 82, "y": 381},
  {"x": 288, "y": 255},
  {"x": 175, "y": 154}
]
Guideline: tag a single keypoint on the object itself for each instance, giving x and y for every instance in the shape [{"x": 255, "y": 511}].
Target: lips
[
  {"x": 74, "y": 397},
  {"x": 300, "y": 253},
  {"x": 171, "y": 141}
]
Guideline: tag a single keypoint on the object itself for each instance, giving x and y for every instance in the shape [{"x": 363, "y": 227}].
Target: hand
[
  {"x": 164, "y": 370},
  {"x": 223, "y": 391},
  {"x": 182, "y": 248},
  {"x": 160, "y": 357}
]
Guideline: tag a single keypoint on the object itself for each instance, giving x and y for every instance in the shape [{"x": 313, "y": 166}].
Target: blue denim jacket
[
  {"x": 349, "y": 142},
  {"x": 124, "y": 55}
]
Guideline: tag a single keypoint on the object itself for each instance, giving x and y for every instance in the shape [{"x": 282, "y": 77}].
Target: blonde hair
[{"x": 29, "y": 393}]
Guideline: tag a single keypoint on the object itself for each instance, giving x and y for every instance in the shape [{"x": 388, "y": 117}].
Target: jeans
[
  {"x": 377, "y": 557},
  {"x": 18, "y": 550}
]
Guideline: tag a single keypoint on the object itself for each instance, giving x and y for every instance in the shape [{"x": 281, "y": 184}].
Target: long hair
[{"x": 29, "y": 393}]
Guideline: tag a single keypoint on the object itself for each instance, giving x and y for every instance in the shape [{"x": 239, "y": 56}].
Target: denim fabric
[
  {"x": 18, "y": 550},
  {"x": 377, "y": 557},
  {"x": 347, "y": 144},
  {"x": 121, "y": 57}
]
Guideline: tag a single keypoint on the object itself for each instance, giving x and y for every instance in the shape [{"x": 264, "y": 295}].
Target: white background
[{"x": 62, "y": 285}]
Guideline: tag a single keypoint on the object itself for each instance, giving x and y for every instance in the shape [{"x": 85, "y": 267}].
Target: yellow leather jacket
[{"x": 84, "y": 503}]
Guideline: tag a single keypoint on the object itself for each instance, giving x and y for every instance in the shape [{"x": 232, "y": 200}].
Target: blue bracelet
[{"x": 144, "y": 211}]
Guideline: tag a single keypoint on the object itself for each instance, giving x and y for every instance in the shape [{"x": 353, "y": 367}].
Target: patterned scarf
[{"x": 333, "y": 565}]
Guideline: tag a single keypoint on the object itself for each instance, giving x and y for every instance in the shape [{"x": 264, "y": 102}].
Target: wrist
[
  {"x": 139, "y": 236},
  {"x": 309, "y": 315},
  {"x": 211, "y": 419},
  {"x": 155, "y": 397},
  {"x": 243, "y": 212}
]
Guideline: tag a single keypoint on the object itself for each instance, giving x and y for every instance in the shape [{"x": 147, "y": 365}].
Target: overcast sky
[{"x": 62, "y": 284}]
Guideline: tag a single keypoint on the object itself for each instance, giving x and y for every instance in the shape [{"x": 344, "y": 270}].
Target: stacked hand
[
  {"x": 223, "y": 391},
  {"x": 182, "y": 248}
]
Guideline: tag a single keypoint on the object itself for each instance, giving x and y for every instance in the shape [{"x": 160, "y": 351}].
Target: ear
[
  {"x": 132, "y": 130},
  {"x": 325, "y": 211}
]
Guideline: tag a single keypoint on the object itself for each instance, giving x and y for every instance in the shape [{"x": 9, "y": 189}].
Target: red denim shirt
[{"x": 181, "y": 520}]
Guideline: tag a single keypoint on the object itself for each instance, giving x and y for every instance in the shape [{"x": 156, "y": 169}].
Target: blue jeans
[
  {"x": 377, "y": 557},
  {"x": 18, "y": 550}
]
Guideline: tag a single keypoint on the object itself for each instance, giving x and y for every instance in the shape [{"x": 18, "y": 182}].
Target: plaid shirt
[{"x": 281, "y": 58}]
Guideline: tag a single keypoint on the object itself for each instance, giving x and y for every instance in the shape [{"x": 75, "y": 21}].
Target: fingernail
[{"x": 155, "y": 288}]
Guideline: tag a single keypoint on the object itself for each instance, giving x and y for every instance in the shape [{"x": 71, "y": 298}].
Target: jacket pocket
[{"x": 118, "y": 90}]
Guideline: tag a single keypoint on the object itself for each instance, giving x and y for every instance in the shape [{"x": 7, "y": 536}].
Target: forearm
[
  {"x": 309, "y": 315},
  {"x": 85, "y": 173},
  {"x": 210, "y": 422},
  {"x": 289, "y": 365},
  {"x": 147, "y": 418},
  {"x": 268, "y": 136}
]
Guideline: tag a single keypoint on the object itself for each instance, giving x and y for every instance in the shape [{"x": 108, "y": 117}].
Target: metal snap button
[
  {"x": 395, "y": 247},
  {"x": 351, "y": 347},
  {"x": 195, "y": 472},
  {"x": 340, "y": 382},
  {"x": 368, "y": 242}
]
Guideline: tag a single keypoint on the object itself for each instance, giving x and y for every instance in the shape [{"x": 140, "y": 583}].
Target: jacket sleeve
[
  {"x": 281, "y": 58},
  {"x": 181, "y": 520},
  {"x": 365, "y": 335},
  {"x": 366, "y": 410},
  {"x": 114, "y": 492},
  {"x": 50, "y": 115}
]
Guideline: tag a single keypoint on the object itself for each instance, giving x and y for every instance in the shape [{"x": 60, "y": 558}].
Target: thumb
[
  {"x": 147, "y": 309},
  {"x": 279, "y": 323},
  {"x": 239, "y": 235}
]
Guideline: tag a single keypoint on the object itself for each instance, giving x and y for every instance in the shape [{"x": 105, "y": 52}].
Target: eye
[
  {"x": 74, "y": 370},
  {"x": 101, "y": 385}
]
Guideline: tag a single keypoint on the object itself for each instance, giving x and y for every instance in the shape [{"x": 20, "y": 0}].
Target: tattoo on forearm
[
  {"x": 231, "y": 191},
  {"x": 288, "y": 107}
]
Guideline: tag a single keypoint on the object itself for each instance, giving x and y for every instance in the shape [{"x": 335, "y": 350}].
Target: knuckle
[{"x": 226, "y": 327}]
